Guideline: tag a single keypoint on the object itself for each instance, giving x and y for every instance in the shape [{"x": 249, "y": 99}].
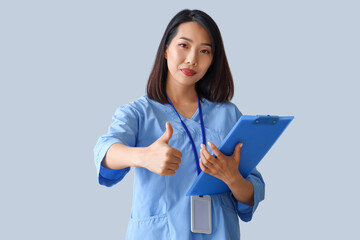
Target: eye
[
  {"x": 182, "y": 45},
  {"x": 205, "y": 51}
]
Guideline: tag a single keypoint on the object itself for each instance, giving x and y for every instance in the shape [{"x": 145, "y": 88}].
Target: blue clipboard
[{"x": 258, "y": 134}]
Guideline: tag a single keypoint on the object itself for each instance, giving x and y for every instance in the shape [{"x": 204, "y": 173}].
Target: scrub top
[{"x": 160, "y": 208}]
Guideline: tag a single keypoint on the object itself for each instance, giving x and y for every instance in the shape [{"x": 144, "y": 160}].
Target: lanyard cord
[{"x": 189, "y": 135}]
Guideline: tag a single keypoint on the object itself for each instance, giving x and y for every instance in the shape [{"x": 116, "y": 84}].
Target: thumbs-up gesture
[{"x": 160, "y": 157}]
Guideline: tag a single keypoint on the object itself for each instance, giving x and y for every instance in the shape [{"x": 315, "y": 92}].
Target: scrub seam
[
  {"x": 167, "y": 209},
  {"x": 137, "y": 114}
]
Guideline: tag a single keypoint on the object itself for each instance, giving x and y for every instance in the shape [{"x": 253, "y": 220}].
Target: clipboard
[{"x": 258, "y": 134}]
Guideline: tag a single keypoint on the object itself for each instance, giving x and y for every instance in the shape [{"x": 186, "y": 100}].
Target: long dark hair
[{"x": 216, "y": 85}]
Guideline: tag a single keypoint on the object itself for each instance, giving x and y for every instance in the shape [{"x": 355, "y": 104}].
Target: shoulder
[
  {"x": 132, "y": 108},
  {"x": 139, "y": 107},
  {"x": 221, "y": 117},
  {"x": 229, "y": 108},
  {"x": 138, "y": 104}
]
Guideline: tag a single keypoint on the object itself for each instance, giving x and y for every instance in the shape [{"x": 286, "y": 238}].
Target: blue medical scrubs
[{"x": 160, "y": 208}]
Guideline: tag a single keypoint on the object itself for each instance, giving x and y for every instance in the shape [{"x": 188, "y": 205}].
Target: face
[{"x": 189, "y": 54}]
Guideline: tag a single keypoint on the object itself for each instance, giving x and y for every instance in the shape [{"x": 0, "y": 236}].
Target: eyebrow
[{"x": 188, "y": 39}]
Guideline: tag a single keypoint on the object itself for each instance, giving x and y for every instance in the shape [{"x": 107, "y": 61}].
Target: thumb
[
  {"x": 167, "y": 134},
  {"x": 237, "y": 150}
]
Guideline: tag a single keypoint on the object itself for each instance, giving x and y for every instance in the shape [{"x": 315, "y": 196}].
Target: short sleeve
[
  {"x": 246, "y": 212},
  {"x": 124, "y": 130},
  {"x": 238, "y": 114}
]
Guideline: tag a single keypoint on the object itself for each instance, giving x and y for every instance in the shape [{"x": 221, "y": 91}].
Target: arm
[
  {"x": 159, "y": 158},
  {"x": 120, "y": 156},
  {"x": 242, "y": 189},
  {"x": 123, "y": 130},
  {"x": 246, "y": 212}
]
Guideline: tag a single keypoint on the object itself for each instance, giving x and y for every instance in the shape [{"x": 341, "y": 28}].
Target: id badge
[{"x": 201, "y": 214}]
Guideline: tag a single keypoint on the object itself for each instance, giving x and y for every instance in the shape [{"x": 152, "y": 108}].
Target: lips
[{"x": 188, "y": 72}]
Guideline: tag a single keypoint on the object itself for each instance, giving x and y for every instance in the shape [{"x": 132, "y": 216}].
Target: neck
[{"x": 180, "y": 93}]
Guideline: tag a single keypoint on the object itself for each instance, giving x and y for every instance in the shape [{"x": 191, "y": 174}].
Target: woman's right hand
[{"x": 160, "y": 157}]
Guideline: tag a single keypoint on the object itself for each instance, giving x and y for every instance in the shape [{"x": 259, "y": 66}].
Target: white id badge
[{"x": 201, "y": 214}]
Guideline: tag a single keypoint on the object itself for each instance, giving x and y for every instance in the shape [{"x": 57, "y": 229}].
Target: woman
[{"x": 162, "y": 135}]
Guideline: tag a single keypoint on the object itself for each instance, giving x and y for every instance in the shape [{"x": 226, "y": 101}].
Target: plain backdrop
[{"x": 65, "y": 66}]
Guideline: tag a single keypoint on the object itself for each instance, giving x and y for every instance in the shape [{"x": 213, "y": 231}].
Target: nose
[{"x": 192, "y": 58}]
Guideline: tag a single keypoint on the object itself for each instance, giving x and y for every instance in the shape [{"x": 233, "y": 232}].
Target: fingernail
[
  {"x": 210, "y": 144},
  {"x": 241, "y": 144},
  {"x": 202, "y": 146}
]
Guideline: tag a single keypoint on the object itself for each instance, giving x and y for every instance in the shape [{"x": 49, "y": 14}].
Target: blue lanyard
[{"x": 189, "y": 135}]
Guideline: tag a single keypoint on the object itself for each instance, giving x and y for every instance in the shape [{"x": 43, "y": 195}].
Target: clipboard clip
[{"x": 266, "y": 119}]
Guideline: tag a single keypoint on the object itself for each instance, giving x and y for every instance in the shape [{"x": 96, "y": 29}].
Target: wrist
[
  {"x": 140, "y": 153},
  {"x": 235, "y": 180}
]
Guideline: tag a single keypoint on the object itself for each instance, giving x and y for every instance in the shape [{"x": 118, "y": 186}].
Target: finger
[
  {"x": 215, "y": 150},
  {"x": 203, "y": 167},
  {"x": 174, "y": 155},
  {"x": 205, "y": 151},
  {"x": 167, "y": 134},
  {"x": 208, "y": 157},
  {"x": 177, "y": 153},
  {"x": 174, "y": 160},
  {"x": 173, "y": 166},
  {"x": 208, "y": 163},
  {"x": 168, "y": 172},
  {"x": 237, "y": 150}
]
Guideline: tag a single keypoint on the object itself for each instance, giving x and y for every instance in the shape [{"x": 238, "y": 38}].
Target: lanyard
[{"x": 189, "y": 135}]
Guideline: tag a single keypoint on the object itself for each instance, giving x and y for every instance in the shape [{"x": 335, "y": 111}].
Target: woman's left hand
[{"x": 223, "y": 167}]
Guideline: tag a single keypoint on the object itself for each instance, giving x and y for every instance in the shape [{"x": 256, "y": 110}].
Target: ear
[{"x": 165, "y": 55}]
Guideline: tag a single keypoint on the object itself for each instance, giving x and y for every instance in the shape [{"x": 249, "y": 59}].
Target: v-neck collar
[
  {"x": 168, "y": 108},
  {"x": 194, "y": 116}
]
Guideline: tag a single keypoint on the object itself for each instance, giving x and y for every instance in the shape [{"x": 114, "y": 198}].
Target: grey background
[{"x": 65, "y": 66}]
